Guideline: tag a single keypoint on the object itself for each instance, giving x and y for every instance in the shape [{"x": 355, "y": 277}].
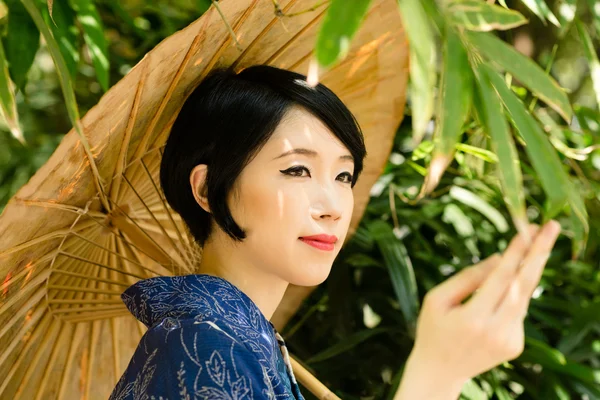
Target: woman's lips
[
  {"x": 321, "y": 242},
  {"x": 318, "y": 244}
]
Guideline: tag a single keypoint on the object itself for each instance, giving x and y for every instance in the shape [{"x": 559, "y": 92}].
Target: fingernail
[{"x": 554, "y": 228}]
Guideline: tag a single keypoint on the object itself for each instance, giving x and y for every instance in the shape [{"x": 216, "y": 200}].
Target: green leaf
[
  {"x": 479, "y": 15},
  {"x": 490, "y": 113},
  {"x": 459, "y": 220},
  {"x": 540, "y": 8},
  {"x": 57, "y": 56},
  {"x": 67, "y": 87},
  {"x": 62, "y": 25},
  {"x": 552, "y": 359},
  {"x": 472, "y": 391},
  {"x": 545, "y": 160},
  {"x": 456, "y": 95},
  {"x": 541, "y": 153},
  {"x": 21, "y": 42},
  {"x": 422, "y": 64},
  {"x": 129, "y": 23},
  {"x": 557, "y": 136},
  {"x": 401, "y": 271},
  {"x": 478, "y": 152},
  {"x": 470, "y": 199},
  {"x": 361, "y": 260},
  {"x": 453, "y": 110},
  {"x": 423, "y": 150},
  {"x": 339, "y": 25},
  {"x": 524, "y": 69},
  {"x": 7, "y": 99},
  {"x": 93, "y": 34},
  {"x": 348, "y": 343},
  {"x": 590, "y": 54}
]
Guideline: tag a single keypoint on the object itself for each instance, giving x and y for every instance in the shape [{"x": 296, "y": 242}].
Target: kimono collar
[{"x": 198, "y": 296}]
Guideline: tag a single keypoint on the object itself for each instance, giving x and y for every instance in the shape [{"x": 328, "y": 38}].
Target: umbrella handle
[{"x": 310, "y": 382}]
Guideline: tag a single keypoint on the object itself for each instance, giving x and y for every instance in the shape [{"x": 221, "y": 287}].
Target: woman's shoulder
[{"x": 203, "y": 357}]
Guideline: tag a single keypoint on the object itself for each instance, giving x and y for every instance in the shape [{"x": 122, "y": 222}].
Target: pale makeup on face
[{"x": 298, "y": 184}]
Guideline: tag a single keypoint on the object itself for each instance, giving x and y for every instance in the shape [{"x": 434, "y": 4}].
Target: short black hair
[{"x": 225, "y": 121}]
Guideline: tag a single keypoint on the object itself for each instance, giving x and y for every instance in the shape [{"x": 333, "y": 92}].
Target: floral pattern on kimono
[{"x": 206, "y": 339}]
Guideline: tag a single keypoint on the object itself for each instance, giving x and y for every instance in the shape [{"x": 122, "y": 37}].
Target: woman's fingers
[
  {"x": 490, "y": 294},
  {"x": 458, "y": 287},
  {"x": 516, "y": 300}
]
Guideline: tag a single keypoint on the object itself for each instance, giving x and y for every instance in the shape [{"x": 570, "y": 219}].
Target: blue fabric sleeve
[{"x": 188, "y": 360}]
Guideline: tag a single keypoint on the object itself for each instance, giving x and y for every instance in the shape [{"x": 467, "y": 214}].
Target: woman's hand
[{"x": 455, "y": 342}]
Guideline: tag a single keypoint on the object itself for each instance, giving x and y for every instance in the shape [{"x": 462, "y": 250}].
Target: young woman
[{"x": 261, "y": 167}]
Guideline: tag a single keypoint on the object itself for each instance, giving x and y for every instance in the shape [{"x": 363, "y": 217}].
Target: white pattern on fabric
[{"x": 206, "y": 339}]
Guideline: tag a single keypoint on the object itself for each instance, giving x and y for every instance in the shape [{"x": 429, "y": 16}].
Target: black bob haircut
[{"x": 224, "y": 123}]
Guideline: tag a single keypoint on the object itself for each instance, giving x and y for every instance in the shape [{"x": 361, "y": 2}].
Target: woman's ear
[{"x": 199, "y": 189}]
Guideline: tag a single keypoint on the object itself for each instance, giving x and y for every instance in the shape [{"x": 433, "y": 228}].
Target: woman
[{"x": 261, "y": 167}]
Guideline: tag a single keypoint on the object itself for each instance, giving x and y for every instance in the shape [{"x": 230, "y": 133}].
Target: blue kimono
[{"x": 206, "y": 339}]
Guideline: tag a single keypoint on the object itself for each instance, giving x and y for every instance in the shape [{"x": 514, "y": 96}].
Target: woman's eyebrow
[{"x": 310, "y": 153}]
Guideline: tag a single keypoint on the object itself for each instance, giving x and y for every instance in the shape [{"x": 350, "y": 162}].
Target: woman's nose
[{"x": 327, "y": 205}]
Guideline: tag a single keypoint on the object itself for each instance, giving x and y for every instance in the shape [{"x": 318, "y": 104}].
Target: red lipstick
[{"x": 322, "y": 242}]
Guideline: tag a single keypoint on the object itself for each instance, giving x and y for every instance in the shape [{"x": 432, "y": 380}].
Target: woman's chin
[{"x": 313, "y": 275}]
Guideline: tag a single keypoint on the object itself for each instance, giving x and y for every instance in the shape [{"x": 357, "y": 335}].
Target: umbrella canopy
[{"x": 85, "y": 228}]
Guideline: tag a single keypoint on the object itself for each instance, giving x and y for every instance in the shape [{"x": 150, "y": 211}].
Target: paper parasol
[{"x": 81, "y": 231}]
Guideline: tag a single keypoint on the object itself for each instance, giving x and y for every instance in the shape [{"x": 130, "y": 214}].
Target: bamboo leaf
[
  {"x": 348, "y": 343},
  {"x": 339, "y": 25},
  {"x": 455, "y": 104},
  {"x": 459, "y": 220},
  {"x": 470, "y": 199},
  {"x": 557, "y": 137},
  {"x": 583, "y": 322},
  {"x": 67, "y": 89},
  {"x": 590, "y": 54},
  {"x": 481, "y": 16},
  {"x": 545, "y": 160},
  {"x": 552, "y": 359},
  {"x": 62, "y": 25},
  {"x": 361, "y": 260},
  {"x": 7, "y": 99},
  {"x": 93, "y": 34},
  {"x": 401, "y": 271},
  {"x": 53, "y": 48},
  {"x": 541, "y": 9},
  {"x": 478, "y": 152},
  {"x": 422, "y": 64},
  {"x": 541, "y": 153},
  {"x": 490, "y": 113},
  {"x": 472, "y": 391},
  {"x": 21, "y": 42},
  {"x": 524, "y": 69}
]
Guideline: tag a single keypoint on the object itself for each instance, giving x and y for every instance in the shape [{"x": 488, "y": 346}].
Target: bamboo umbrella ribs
[{"x": 89, "y": 224}]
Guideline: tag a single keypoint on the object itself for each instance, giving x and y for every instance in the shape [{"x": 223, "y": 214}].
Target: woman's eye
[
  {"x": 296, "y": 171},
  {"x": 347, "y": 177}
]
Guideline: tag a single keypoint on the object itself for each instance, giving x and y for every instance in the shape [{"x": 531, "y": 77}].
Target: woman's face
[{"x": 298, "y": 185}]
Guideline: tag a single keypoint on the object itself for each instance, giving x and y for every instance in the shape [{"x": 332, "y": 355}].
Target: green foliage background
[{"x": 355, "y": 332}]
